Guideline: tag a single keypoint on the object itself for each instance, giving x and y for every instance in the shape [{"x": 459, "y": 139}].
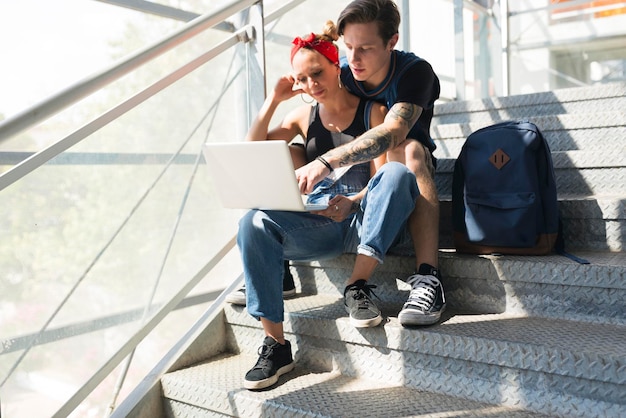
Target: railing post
[
  {"x": 459, "y": 50},
  {"x": 251, "y": 54},
  {"x": 506, "y": 47},
  {"x": 405, "y": 26}
]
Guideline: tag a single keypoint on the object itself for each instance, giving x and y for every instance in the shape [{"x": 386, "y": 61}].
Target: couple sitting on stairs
[{"x": 372, "y": 114}]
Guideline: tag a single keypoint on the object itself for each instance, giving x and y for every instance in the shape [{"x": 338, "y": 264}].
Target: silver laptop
[{"x": 255, "y": 175}]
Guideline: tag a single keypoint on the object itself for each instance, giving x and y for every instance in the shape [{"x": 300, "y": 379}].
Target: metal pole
[
  {"x": 405, "y": 26},
  {"x": 250, "y": 55},
  {"x": 84, "y": 88},
  {"x": 459, "y": 50},
  {"x": 506, "y": 47}
]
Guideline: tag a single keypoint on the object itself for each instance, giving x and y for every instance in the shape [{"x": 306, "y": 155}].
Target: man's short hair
[{"x": 384, "y": 12}]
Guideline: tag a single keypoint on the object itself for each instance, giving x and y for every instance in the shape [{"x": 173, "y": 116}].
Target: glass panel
[
  {"x": 567, "y": 44},
  {"x": 434, "y": 36},
  {"x": 89, "y": 231}
]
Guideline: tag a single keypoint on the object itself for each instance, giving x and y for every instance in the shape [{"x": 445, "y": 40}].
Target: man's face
[{"x": 367, "y": 55}]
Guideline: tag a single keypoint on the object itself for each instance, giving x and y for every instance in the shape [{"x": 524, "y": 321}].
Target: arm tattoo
[
  {"x": 377, "y": 140},
  {"x": 405, "y": 113},
  {"x": 368, "y": 146}
]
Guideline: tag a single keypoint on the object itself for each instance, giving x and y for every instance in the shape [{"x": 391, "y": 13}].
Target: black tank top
[{"x": 320, "y": 140}]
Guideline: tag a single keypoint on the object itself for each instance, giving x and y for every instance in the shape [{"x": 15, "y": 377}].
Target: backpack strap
[{"x": 559, "y": 247}]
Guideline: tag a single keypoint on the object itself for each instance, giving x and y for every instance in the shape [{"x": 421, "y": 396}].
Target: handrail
[
  {"x": 40, "y": 158},
  {"x": 157, "y": 9},
  {"x": 140, "y": 97},
  {"x": 82, "y": 89},
  {"x": 65, "y": 98},
  {"x": 20, "y": 342},
  {"x": 56, "y": 103},
  {"x": 138, "y": 336},
  {"x": 153, "y": 377},
  {"x": 126, "y": 366}
]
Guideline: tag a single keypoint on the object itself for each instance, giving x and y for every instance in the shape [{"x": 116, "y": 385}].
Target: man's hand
[{"x": 309, "y": 175}]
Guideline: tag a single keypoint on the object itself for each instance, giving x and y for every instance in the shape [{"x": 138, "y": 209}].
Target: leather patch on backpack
[{"x": 499, "y": 159}]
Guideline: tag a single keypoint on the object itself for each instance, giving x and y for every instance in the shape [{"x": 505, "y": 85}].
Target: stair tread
[
  {"x": 217, "y": 384},
  {"x": 560, "y": 96},
  {"x": 546, "y": 122},
  {"x": 607, "y": 268},
  {"x": 588, "y": 201},
  {"x": 324, "y": 316},
  {"x": 550, "y": 335}
]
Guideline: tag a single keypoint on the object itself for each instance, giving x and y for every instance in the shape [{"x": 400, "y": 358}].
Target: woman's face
[{"x": 315, "y": 74}]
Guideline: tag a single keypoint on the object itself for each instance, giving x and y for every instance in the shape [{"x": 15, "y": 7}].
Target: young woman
[{"x": 367, "y": 206}]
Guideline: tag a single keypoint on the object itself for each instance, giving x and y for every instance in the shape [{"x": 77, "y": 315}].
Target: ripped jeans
[{"x": 267, "y": 237}]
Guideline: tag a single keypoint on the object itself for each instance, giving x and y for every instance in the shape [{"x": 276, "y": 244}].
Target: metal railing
[
  {"x": 248, "y": 31},
  {"x": 244, "y": 23},
  {"x": 73, "y": 94}
]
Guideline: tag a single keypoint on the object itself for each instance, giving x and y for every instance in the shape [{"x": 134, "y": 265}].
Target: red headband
[{"x": 326, "y": 48}]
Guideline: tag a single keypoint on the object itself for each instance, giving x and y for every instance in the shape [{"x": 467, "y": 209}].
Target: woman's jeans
[{"x": 266, "y": 238}]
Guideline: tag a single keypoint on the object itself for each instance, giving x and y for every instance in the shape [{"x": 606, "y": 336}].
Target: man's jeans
[{"x": 266, "y": 238}]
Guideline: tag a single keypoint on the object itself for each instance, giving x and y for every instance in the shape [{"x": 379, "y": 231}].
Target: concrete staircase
[{"x": 522, "y": 336}]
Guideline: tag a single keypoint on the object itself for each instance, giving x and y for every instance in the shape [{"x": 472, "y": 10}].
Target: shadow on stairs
[{"x": 523, "y": 336}]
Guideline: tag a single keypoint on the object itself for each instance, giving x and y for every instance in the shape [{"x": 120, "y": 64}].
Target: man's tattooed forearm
[
  {"x": 405, "y": 113},
  {"x": 377, "y": 140},
  {"x": 364, "y": 148}
]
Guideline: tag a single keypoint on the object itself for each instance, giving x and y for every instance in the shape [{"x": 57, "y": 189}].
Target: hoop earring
[
  {"x": 302, "y": 97},
  {"x": 339, "y": 80}
]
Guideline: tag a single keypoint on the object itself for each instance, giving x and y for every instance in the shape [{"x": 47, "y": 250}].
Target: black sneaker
[
  {"x": 363, "y": 312},
  {"x": 426, "y": 301},
  {"x": 274, "y": 361},
  {"x": 238, "y": 297}
]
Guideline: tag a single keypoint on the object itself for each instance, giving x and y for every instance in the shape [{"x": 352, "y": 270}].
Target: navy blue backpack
[{"x": 504, "y": 197}]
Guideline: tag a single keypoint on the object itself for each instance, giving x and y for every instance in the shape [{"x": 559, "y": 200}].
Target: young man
[
  {"x": 409, "y": 88},
  {"x": 368, "y": 206}
]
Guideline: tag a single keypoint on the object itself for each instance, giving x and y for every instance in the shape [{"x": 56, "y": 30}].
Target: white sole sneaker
[
  {"x": 272, "y": 380},
  {"x": 366, "y": 323},
  {"x": 238, "y": 297},
  {"x": 408, "y": 317}
]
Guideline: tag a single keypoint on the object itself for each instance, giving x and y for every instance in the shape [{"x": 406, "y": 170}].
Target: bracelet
[{"x": 326, "y": 163}]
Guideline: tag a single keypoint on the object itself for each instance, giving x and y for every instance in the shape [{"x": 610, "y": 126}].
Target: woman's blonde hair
[{"x": 330, "y": 32}]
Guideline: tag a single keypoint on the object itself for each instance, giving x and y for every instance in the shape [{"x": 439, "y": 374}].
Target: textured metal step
[
  {"x": 541, "y": 334},
  {"x": 549, "y": 286},
  {"x": 600, "y": 133},
  {"x": 494, "y": 112},
  {"x": 593, "y": 176},
  {"x": 557, "y": 367},
  {"x": 214, "y": 388},
  {"x": 589, "y": 223},
  {"x": 547, "y": 123},
  {"x": 501, "y": 363},
  {"x": 493, "y": 109},
  {"x": 609, "y": 140},
  {"x": 598, "y": 224}
]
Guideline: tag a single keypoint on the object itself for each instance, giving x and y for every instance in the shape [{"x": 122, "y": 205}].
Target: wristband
[{"x": 326, "y": 163}]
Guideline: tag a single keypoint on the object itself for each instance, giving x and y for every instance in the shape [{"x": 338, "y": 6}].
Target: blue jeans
[{"x": 266, "y": 238}]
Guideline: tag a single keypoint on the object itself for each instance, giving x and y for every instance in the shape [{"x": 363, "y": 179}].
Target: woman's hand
[
  {"x": 284, "y": 89},
  {"x": 339, "y": 208}
]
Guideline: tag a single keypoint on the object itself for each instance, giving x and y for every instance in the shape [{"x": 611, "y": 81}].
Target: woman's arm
[{"x": 290, "y": 126}]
